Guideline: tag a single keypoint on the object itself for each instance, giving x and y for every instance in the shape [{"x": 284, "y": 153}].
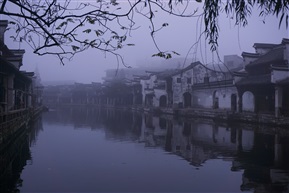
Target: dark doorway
[
  {"x": 163, "y": 101},
  {"x": 234, "y": 102},
  {"x": 187, "y": 100}
]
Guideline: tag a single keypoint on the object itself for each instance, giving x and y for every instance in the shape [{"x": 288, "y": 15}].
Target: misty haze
[{"x": 144, "y": 96}]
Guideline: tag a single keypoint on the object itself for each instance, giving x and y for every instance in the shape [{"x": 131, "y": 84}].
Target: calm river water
[{"x": 93, "y": 150}]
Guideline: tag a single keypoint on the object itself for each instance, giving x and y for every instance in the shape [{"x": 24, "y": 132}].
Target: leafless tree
[{"x": 67, "y": 27}]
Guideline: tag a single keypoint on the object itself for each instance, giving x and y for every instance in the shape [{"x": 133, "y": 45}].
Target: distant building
[
  {"x": 156, "y": 89},
  {"x": 122, "y": 74},
  {"x": 75, "y": 94}
]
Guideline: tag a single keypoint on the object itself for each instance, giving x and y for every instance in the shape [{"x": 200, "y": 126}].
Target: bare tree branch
[{"x": 65, "y": 28}]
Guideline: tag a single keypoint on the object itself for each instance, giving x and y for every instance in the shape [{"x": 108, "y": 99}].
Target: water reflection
[
  {"x": 14, "y": 156},
  {"x": 260, "y": 154},
  {"x": 118, "y": 125}
]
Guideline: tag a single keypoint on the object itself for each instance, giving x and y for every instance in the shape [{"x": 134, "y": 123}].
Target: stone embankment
[
  {"x": 14, "y": 121},
  {"x": 223, "y": 115},
  {"x": 214, "y": 114}
]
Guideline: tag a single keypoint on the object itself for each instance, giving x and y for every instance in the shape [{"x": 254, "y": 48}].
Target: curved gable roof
[{"x": 275, "y": 55}]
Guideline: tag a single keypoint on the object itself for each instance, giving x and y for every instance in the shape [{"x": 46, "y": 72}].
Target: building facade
[
  {"x": 20, "y": 91},
  {"x": 202, "y": 86},
  {"x": 263, "y": 83}
]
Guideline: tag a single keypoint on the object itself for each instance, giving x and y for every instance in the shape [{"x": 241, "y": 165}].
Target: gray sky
[{"x": 179, "y": 36}]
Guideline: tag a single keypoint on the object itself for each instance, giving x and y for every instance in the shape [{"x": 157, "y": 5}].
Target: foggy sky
[{"x": 179, "y": 36}]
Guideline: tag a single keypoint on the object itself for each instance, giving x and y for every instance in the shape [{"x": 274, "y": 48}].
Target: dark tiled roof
[
  {"x": 264, "y": 45},
  {"x": 280, "y": 67},
  {"x": 7, "y": 67},
  {"x": 255, "y": 80},
  {"x": 285, "y": 41},
  {"x": 274, "y": 56},
  {"x": 255, "y": 55}
]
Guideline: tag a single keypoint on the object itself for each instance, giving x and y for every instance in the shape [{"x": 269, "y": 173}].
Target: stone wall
[
  {"x": 181, "y": 83},
  {"x": 218, "y": 98}
]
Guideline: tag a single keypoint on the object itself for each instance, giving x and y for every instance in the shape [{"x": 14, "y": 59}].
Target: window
[
  {"x": 179, "y": 80},
  {"x": 189, "y": 80}
]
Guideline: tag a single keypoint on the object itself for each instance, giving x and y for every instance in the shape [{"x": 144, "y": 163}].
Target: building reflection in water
[
  {"x": 262, "y": 154},
  {"x": 14, "y": 157}
]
